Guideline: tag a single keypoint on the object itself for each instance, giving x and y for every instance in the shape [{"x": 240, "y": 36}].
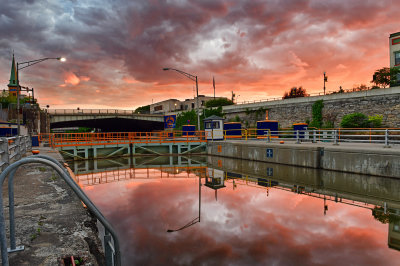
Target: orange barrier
[{"x": 113, "y": 138}]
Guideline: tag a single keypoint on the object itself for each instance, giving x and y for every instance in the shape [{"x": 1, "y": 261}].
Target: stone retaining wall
[{"x": 385, "y": 102}]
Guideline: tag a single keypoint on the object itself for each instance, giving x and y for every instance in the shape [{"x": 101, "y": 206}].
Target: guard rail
[{"x": 111, "y": 243}]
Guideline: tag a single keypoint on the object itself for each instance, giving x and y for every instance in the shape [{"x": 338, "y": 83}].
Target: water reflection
[{"x": 249, "y": 215}]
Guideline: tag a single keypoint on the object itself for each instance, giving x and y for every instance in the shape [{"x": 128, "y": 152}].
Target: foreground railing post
[
  {"x": 314, "y": 139},
  {"x": 335, "y": 136},
  {"x": 297, "y": 137},
  {"x": 387, "y": 139},
  {"x": 269, "y": 136}
]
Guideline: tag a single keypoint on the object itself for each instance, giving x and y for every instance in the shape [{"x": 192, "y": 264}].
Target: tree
[
  {"x": 218, "y": 102},
  {"x": 143, "y": 110},
  {"x": 386, "y": 76},
  {"x": 295, "y": 92},
  {"x": 361, "y": 87}
]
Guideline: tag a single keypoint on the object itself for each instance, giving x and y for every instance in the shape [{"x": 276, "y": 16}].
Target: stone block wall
[{"x": 385, "y": 102}]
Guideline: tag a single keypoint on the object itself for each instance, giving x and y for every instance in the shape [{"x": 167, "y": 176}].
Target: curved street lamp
[
  {"x": 194, "y": 78},
  {"x": 26, "y": 64}
]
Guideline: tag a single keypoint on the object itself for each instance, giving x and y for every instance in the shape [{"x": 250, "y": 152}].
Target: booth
[
  {"x": 214, "y": 128},
  {"x": 233, "y": 130},
  {"x": 267, "y": 125},
  {"x": 302, "y": 127},
  {"x": 188, "y": 130}
]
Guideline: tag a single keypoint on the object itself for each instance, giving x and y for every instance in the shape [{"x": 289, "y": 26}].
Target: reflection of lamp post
[
  {"x": 194, "y": 78},
  {"x": 23, "y": 65},
  {"x": 195, "y": 220}
]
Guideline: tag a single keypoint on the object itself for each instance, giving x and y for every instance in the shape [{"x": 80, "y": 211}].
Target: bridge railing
[
  {"x": 112, "y": 138},
  {"x": 93, "y": 111}
]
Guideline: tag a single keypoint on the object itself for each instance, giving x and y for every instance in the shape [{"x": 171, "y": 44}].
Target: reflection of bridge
[
  {"x": 106, "y": 120},
  {"x": 95, "y": 172}
]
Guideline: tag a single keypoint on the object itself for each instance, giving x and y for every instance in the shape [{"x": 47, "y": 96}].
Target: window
[
  {"x": 158, "y": 108},
  {"x": 208, "y": 125},
  {"x": 192, "y": 105},
  {"x": 397, "y": 58}
]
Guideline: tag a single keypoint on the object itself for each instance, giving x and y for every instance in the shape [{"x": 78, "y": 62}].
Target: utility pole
[{"x": 325, "y": 80}]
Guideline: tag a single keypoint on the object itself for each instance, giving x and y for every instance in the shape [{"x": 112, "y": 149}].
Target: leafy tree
[
  {"x": 184, "y": 117},
  {"x": 355, "y": 120},
  {"x": 143, "y": 110},
  {"x": 361, "y": 87},
  {"x": 213, "y": 111},
  {"x": 379, "y": 214},
  {"x": 317, "y": 114},
  {"x": 218, "y": 102},
  {"x": 386, "y": 76},
  {"x": 295, "y": 92}
]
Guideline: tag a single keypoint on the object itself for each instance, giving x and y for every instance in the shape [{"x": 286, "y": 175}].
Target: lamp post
[
  {"x": 194, "y": 78},
  {"x": 23, "y": 65}
]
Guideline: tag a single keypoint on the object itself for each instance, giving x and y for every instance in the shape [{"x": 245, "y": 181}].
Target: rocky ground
[{"x": 50, "y": 220}]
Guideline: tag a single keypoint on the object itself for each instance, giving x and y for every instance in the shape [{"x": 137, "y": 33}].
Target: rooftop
[{"x": 394, "y": 34}]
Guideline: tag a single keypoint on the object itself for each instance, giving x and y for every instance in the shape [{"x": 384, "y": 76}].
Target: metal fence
[
  {"x": 12, "y": 149},
  {"x": 111, "y": 243},
  {"x": 385, "y": 136}
]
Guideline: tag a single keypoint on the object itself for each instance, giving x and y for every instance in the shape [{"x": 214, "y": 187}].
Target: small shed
[{"x": 214, "y": 128}]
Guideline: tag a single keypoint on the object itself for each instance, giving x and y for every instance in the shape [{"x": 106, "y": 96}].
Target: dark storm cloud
[{"x": 253, "y": 45}]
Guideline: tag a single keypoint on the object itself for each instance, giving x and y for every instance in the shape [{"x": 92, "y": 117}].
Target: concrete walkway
[{"x": 51, "y": 222}]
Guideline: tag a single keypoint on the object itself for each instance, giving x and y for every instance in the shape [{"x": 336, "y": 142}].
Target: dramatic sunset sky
[{"x": 116, "y": 49}]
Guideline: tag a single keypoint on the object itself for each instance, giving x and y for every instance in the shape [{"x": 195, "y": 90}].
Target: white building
[
  {"x": 173, "y": 105},
  {"x": 394, "y": 44}
]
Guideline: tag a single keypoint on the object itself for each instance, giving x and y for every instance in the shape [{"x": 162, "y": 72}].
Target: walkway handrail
[{"x": 111, "y": 259}]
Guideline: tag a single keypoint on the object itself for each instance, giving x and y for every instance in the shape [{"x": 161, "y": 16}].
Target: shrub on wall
[
  {"x": 375, "y": 120},
  {"x": 359, "y": 120},
  {"x": 317, "y": 114},
  {"x": 354, "y": 120}
]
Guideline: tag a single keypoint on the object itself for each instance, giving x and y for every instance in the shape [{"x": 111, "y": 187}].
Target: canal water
[{"x": 219, "y": 211}]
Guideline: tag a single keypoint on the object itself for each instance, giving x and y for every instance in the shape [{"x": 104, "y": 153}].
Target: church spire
[{"x": 13, "y": 75}]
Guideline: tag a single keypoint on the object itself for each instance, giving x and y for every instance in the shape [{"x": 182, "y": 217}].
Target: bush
[
  {"x": 317, "y": 114},
  {"x": 375, "y": 120},
  {"x": 354, "y": 120}
]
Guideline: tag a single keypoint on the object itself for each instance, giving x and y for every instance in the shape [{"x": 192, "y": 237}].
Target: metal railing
[
  {"x": 111, "y": 243},
  {"x": 82, "y": 139},
  {"x": 12, "y": 149},
  {"x": 386, "y": 136},
  {"x": 94, "y": 111}
]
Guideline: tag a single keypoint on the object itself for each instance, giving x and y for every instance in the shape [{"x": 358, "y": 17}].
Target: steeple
[{"x": 13, "y": 75}]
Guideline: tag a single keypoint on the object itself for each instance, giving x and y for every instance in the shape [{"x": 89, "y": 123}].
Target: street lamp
[
  {"x": 23, "y": 65},
  {"x": 194, "y": 78}
]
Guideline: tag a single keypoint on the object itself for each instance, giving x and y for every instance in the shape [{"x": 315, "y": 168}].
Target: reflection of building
[
  {"x": 394, "y": 232},
  {"x": 215, "y": 179},
  {"x": 172, "y": 105}
]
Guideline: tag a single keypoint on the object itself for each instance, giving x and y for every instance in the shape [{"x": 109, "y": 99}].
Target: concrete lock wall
[
  {"x": 379, "y": 162},
  {"x": 385, "y": 102}
]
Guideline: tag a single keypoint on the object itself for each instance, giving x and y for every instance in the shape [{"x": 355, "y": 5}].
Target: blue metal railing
[{"x": 111, "y": 243}]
